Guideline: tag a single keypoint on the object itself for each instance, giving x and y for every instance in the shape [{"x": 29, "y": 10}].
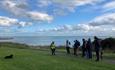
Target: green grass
[{"x": 28, "y": 59}]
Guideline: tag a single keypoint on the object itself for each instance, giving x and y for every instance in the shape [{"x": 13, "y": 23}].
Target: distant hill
[
  {"x": 13, "y": 45},
  {"x": 5, "y": 38}
]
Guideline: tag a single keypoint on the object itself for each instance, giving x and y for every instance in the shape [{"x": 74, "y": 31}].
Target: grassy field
[{"x": 28, "y": 59}]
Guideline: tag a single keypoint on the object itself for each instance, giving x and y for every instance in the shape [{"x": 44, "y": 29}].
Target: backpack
[{"x": 78, "y": 43}]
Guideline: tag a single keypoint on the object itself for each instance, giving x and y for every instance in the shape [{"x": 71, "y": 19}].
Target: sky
[{"x": 57, "y": 17}]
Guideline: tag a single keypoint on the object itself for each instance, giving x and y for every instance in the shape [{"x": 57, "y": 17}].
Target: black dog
[{"x": 9, "y": 57}]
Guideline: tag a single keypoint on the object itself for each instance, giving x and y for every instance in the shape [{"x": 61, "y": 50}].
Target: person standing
[
  {"x": 101, "y": 49},
  {"x": 89, "y": 49},
  {"x": 53, "y": 48},
  {"x": 75, "y": 47},
  {"x": 83, "y": 47},
  {"x": 97, "y": 47},
  {"x": 68, "y": 46},
  {"x": 101, "y": 53}
]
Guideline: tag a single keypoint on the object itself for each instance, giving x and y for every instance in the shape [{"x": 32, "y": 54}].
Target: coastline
[{"x": 107, "y": 43}]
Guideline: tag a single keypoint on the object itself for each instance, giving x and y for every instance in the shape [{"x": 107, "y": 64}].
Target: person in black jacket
[
  {"x": 83, "y": 47},
  {"x": 97, "y": 47},
  {"x": 89, "y": 49},
  {"x": 75, "y": 47}
]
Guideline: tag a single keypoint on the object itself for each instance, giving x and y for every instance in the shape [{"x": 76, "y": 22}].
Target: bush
[{"x": 108, "y": 43}]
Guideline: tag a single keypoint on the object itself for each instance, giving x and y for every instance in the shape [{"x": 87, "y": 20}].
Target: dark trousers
[
  {"x": 53, "y": 51},
  {"x": 75, "y": 51},
  {"x": 68, "y": 50},
  {"x": 101, "y": 55},
  {"x": 83, "y": 52},
  {"x": 89, "y": 53},
  {"x": 97, "y": 55}
]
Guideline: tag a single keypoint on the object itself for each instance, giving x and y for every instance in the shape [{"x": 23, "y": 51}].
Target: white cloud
[
  {"x": 69, "y": 28},
  {"x": 43, "y": 3},
  {"x": 101, "y": 24},
  {"x": 106, "y": 19},
  {"x": 39, "y": 16},
  {"x": 58, "y": 7},
  {"x": 71, "y": 5},
  {"x": 109, "y": 6},
  {"x": 20, "y": 8},
  {"x": 14, "y": 6},
  {"x": 6, "y": 21},
  {"x": 23, "y": 24}
]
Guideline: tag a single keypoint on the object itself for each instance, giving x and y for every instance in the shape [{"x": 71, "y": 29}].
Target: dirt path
[
  {"x": 108, "y": 60},
  {"x": 111, "y": 61}
]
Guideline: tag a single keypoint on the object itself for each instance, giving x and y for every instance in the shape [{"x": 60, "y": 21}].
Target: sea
[{"x": 46, "y": 40}]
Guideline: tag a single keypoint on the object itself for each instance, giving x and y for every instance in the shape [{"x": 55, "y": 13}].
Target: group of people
[{"x": 86, "y": 48}]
